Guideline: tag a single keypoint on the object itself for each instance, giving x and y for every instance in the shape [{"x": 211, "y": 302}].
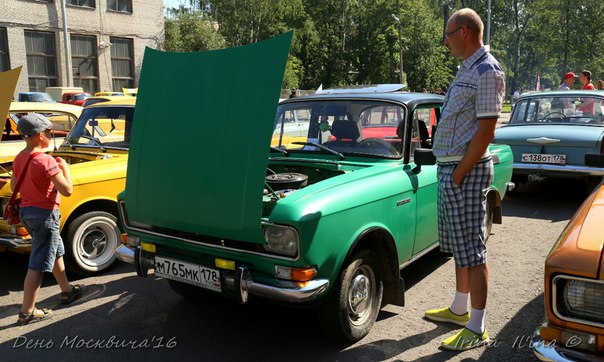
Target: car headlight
[
  {"x": 281, "y": 240},
  {"x": 579, "y": 299}
]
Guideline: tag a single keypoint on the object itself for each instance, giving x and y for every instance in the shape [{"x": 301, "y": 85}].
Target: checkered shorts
[{"x": 461, "y": 213}]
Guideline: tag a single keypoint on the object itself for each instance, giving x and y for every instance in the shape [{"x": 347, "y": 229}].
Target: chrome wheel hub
[{"x": 360, "y": 295}]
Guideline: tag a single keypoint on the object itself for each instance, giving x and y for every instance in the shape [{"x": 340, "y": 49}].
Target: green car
[{"x": 346, "y": 204}]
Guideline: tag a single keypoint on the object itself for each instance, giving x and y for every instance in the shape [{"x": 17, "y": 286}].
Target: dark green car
[{"x": 346, "y": 204}]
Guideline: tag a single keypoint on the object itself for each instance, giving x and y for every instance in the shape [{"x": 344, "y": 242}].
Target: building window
[
  {"x": 4, "y": 60},
  {"x": 84, "y": 62},
  {"x": 122, "y": 63},
  {"x": 85, "y": 3},
  {"x": 120, "y": 5},
  {"x": 41, "y": 56}
]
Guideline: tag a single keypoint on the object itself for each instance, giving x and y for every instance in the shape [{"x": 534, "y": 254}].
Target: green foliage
[
  {"x": 426, "y": 63},
  {"x": 191, "y": 31},
  {"x": 343, "y": 42}
]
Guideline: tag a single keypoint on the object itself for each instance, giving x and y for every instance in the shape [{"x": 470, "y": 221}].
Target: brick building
[{"x": 107, "y": 40}]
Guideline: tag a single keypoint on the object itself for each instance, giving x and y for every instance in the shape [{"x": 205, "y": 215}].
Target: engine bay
[{"x": 283, "y": 179}]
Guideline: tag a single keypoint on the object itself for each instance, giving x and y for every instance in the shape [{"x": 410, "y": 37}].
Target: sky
[{"x": 174, "y": 3}]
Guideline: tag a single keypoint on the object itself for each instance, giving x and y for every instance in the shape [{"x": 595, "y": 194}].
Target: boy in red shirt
[{"x": 46, "y": 177}]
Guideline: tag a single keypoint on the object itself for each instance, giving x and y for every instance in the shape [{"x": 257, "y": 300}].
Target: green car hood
[{"x": 200, "y": 140}]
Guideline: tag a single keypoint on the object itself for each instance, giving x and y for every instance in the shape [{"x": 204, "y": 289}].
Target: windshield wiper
[
  {"x": 341, "y": 156},
  {"x": 280, "y": 150},
  {"x": 66, "y": 140},
  {"x": 95, "y": 140}
]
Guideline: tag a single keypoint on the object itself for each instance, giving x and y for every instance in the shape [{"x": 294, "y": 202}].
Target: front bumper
[
  {"x": 557, "y": 170},
  {"x": 551, "y": 351},
  {"x": 241, "y": 283},
  {"x": 16, "y": 244}
]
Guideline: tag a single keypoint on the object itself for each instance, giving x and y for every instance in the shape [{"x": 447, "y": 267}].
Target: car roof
[
  {"x": 558, "y": 93},
  {"x": 118, "y": 101},
  {"x": 43, "y": 106},
  {"x": 410, "y": 99},
  {"x": 104, "y": 94},
  {"x": 110, "y": 98}
]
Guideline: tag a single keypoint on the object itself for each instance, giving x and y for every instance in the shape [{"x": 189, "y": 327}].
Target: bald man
[{"x": 465, "y": 173}]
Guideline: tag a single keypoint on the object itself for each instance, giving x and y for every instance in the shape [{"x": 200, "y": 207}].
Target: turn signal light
[
  {"x": 130, "y": 240},
  {"x": 295, "y": 274},
  {"x": 21, "y": 231},
  {"x": 549, "y": 334}
]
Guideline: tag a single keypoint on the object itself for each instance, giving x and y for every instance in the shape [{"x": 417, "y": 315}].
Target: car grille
[{"x": 579, "y": 300}]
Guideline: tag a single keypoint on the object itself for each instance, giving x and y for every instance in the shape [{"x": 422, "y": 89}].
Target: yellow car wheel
[{"x": 91, "y": 242}]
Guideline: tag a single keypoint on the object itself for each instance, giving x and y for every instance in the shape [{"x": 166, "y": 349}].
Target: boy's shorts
[
  {"x": 461, "y": 213},
  {"x": 46, "y": 242}
]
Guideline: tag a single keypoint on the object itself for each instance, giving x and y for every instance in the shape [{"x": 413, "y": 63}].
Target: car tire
[
  {"x": 353, "y": 305},
  {"x": 91, "y": 242},
  {"x": 518, "y": 180},
  {"x": 488, "y": 219}
]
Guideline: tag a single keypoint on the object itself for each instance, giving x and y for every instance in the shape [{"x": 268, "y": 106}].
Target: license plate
[
  {"x": 543, "y": 158},
  {"x": 188, "y": 273}
]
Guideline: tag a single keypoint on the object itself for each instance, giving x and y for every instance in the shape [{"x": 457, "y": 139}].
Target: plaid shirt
[{"x": 476, "y": 93}]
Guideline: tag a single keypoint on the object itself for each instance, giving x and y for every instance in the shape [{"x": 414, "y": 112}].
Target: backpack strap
[{"x": 22, "y": 177}]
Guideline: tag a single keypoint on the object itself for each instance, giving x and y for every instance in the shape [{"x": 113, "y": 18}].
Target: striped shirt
[{"x": 476, "y": 93}]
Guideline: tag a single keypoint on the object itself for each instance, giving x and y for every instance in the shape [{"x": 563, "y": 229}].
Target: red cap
[{"x": 569, "y": 75}]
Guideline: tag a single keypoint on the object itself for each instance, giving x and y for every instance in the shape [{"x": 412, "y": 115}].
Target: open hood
[
  {"x": 8, "y": 80},
  {"x": 200, "y": 140}
]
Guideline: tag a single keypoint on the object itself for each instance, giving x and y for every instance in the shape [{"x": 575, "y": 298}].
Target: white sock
[
  {"x": 460, "y": 303},
  {"x": 476, "y": 322}
]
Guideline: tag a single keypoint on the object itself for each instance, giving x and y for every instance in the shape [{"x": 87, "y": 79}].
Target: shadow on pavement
[
  {"x": 515, "y": 335},
  {"x": 143, "y": 319},
  {"x": 553, "y": 197}
]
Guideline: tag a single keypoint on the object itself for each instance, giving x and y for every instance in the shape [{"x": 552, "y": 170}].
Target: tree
[
  {"x": 343, "y": 42},
  {"x": 426, "y": 63},
  {"x": 187, "y": 31}
]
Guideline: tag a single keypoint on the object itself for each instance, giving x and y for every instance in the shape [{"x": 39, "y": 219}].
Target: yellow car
[
  {"x": 11, "y": 143},
  {"x": 103, "y": 98},
  {"x": 97, "y": 151},
  {"x": 105, "y": 94}
]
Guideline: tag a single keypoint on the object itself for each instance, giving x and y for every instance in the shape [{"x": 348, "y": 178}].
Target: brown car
[{"x": 574, "y": 289}]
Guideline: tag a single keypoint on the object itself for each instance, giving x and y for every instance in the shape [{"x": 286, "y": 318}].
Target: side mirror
[{"x": 423, "y": 156}]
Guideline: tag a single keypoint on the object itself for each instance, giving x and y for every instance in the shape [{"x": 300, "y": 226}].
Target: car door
[{"x": 426, "y": 229}]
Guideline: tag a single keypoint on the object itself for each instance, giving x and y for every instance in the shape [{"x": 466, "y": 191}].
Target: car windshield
[
  {"x": 82, "y": 96},
  {"x": 102, "y": 127},
  {"x": 41, "y": 97},
  {"x": 577, "y": 109},
  {"x": 356, "y": 127}
]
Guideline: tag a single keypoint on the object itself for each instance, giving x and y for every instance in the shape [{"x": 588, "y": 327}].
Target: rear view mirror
[{"x": 423, "y": 156}]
